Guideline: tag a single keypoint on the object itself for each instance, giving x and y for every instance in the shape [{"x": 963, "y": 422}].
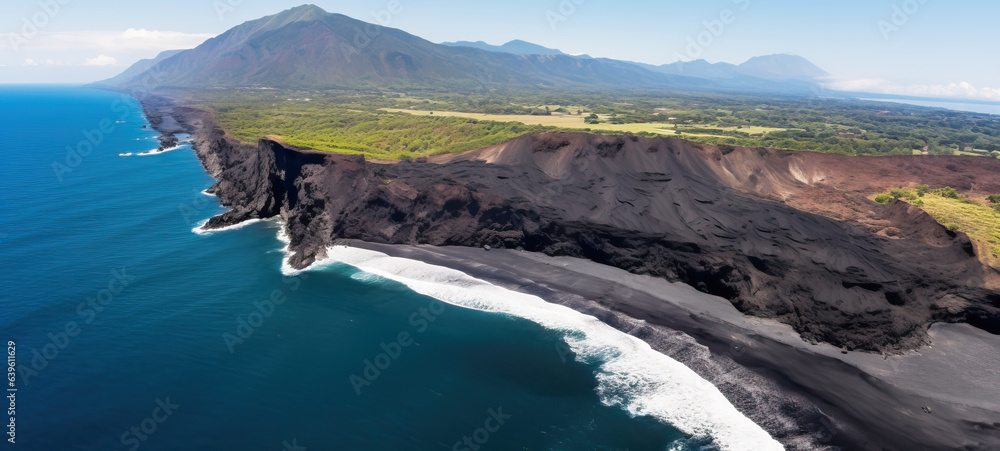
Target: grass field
[
  {"x": 374, "y": 134},
  {"x": 567, "y": 121},
  {"x": 975, "y": 217},
  {"x": 576, "y": 122}
]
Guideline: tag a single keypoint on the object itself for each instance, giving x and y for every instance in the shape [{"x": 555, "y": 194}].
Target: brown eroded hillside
[{"x": 781, "y": 234}]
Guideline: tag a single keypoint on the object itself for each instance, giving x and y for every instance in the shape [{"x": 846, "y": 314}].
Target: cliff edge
[{"x": 754, "y": 226}]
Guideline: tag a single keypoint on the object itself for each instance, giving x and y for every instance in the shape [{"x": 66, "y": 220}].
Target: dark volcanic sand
[{"x": 807, "y": 396}]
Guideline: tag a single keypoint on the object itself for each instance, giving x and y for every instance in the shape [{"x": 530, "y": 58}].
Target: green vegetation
[
  {"x": 903, "y": 194},
  {"x": 948, "y": 193},
  {"x": 389, "y": 124},
  {"x": 352, "y": 124},
  {"x": 994, "y": 199},
  {"x": 958, "y": 213},
  {"x": 817, "y": 124}
]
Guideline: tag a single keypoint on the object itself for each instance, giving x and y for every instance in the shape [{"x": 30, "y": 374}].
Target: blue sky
[{"x": 919, "y": 47}]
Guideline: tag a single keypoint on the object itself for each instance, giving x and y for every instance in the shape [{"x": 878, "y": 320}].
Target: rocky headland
[
  {"x": 789, "y": 236},
  {"x": 781, "y": 234}
]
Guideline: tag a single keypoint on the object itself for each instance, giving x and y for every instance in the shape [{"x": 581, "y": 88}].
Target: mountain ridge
[
  {"x": 307, "y": 47},
  {"x": 515, "y": 47},
  {"x": 777, "y": 67}
]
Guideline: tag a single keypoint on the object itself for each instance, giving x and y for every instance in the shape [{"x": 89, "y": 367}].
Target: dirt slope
[{"x": 757, "y": 226}]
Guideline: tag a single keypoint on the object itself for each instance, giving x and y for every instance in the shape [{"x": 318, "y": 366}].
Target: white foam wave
[
  {"x": 201, "y": 230},
  {"x": 205, "y": 192},
  {"x": 632, "y": 374},
  {"x": 157, "y": 150}
]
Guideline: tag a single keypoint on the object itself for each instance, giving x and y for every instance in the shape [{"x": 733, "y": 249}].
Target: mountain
[
  {"x": 763, "y": 72},
  {"x": 515, "y": 47},
  {"x": 307, "y": 47},
  {"x": 781, "y": 68},
  {"x": 697, "y": 68},
  {"x": 139, "y": 68}
]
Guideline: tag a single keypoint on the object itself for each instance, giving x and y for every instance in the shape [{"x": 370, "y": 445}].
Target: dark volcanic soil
[{"x": 723, "y": 220}]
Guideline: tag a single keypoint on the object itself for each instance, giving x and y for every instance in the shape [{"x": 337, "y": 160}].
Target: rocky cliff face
[{"x": 719, "y": 219}]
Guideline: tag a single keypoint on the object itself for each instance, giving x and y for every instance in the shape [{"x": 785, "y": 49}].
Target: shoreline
[
  {"x": 832, "y": 403},
  {"x": 631, "y": 375},
  {"x": 859, "y": 409}
]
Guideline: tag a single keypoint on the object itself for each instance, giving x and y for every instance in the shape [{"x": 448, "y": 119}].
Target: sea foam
[
  {"x": 157, "y": 150},
  {"x": 632, "y": 375},
  {"x": 201, "y": 230}
]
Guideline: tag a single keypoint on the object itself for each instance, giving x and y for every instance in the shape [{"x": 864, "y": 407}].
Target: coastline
[
  {"x": 832, "y": 278},
  {"x": 837, "y": 406},
  {"x": 858, "y": 407},
  {"x": 629, "y": 373}
]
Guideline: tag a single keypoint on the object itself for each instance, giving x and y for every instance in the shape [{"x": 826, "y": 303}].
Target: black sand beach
[{"x": 809, "y": 396}]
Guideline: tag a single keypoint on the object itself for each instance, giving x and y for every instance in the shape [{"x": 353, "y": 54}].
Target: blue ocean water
[
  {"x": 984, "y": 108},
  {"x": 133, "y": 332}
]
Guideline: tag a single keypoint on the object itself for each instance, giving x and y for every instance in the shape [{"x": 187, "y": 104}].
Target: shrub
[
  {"x": 994, "y": 199},
  {"x": 919, "y": 203},
  {"x": 883, "y": 198},
  {"x": 948, "y": 193},
  {"x": 902, "y": 194},
  {"x": 952, "y": 227},
  {"x": 922, "y": 189}
]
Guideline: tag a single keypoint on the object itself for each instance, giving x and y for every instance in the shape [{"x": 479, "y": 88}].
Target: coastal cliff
[{"x": 723, "y": 220}]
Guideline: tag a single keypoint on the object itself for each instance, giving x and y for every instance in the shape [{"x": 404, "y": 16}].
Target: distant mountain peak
[
  {"x": 515, "y": 47},
  {"x": 760, "y": 71},
  {"x": 782, "y": 66},
  {"x": 308, "y": 12}
]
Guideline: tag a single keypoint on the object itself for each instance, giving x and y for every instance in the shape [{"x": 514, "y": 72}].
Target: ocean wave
[
  {"x": 201, "y": 230},
  {"x": 632, "y": 375},
  {"x": 157, "y": 150}
]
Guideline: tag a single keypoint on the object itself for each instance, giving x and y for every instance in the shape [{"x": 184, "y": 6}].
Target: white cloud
[
  {"x": 129, "y": 40},
  {"x": 30, "y": 62},
  {"x": 960, "y": 90},
  {"x": 102, "y": 60},
  {"x": 125, "y": 47},
  {"x": 49, "y": 62}
]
